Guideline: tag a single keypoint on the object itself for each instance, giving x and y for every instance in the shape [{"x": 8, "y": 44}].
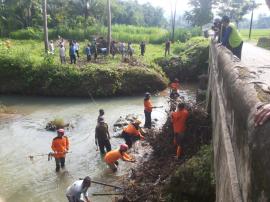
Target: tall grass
[{"x": 134, "y": 34}]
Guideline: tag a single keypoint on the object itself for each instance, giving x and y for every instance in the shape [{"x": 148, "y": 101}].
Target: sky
[{"x": 182, "y": 6}]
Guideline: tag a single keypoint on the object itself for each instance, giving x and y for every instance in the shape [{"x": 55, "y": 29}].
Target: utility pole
[
  {"x": 46, "y": 37},
  {"x": 109, "y": 27},
  {"x": 251, "y": 19}
]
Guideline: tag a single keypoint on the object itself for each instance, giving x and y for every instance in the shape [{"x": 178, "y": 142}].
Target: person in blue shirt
[
  {"x": 72, "y": 52},
  {"x": 232, "y": 38},
  {"x": 88, "y": 52}
]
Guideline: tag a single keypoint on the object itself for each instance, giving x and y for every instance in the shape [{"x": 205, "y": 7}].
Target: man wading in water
[
  {"x": 102, "y": 136},
  {"x": 60, "y": 146}
]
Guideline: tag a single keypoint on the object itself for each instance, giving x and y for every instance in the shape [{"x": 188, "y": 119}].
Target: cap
[
  {"x": 123, "y": 147},
  {"x": 61, "y": 130}
]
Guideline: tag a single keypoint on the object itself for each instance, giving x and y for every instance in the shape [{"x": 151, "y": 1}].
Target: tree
[
  {"x": 173, "y": 19},
  {"x": 201, "y": 12},
  {"x": 46, "y": 40},
  {"x": 235, "y": 9},
  {"x": 109, "y": 26}
]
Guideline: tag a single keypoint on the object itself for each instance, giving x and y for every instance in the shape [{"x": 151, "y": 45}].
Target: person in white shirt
[
  {"x": 77, "y": 192},
  {"x": 62, "y": 53},
  {"x": 77, "y": 47},
  {"x": 51, "y": 47}
]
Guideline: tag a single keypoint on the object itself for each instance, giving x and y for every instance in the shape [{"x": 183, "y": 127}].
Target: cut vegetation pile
[{"x": 162, "y": 178}]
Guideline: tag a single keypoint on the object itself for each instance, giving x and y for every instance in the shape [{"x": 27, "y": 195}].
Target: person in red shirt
[
  {"x": 132, "y": 132},
  {"x": 112, "y": 157},
  {"x": 179, "y": 119},
  {"x": 60, "y": 146}
]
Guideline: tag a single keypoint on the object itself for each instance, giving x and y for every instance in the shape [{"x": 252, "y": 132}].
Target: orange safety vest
[
  {"x": 115, "y": 155},
  {"x": 131, "y": 130},
  {"x": 179, "y": 119},
  {"x": 148, "y": 105},
  {"x": 60, "y": 145}
]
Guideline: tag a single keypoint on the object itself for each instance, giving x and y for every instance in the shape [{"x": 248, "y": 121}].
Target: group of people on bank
[{"x": 92, "y": 50}]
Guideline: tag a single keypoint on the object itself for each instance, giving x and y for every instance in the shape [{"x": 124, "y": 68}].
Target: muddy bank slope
[{"x": 163, "y": 178}]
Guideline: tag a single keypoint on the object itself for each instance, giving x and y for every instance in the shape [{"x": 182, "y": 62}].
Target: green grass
[
  {"x": 255, "y": 34},
  {"x": 126, "y": 33},
  {"x": 27, "y": 70}
]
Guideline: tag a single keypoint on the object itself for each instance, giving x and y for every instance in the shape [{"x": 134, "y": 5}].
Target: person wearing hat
[
  {"x": 132, "y": 133},
  {"x": 102, "y": 136},
  {"x": 148, "y": 110},
  {"x": 112, "y": 157},
  {"x": 174, "y": 86},
  {"x": 77, "y": 192},
  {"x": 232, "y": 38},
  {"x": 60, "y": 146}
]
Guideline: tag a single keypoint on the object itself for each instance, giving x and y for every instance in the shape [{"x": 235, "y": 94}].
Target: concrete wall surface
[{"x": 241, "y": 152}]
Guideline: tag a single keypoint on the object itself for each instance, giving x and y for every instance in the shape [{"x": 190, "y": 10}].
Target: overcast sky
[{"x": 182, "y": 6}]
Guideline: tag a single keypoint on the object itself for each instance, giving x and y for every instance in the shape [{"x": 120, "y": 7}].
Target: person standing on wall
[
  {"x": 179, "y": 119},
  {"x": 232, "y": 38},
  {"x": 102, "y": 136},
  {"x": 60, "y": 146}
]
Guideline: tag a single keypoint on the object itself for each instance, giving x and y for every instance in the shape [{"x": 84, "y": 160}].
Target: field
[
  {"x": 33, "y": 50},
  {"x": 255, "y": 34},
  {"x": 126, "y": 33}
]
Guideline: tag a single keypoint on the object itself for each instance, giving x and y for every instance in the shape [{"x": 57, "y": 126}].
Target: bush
[
  {"x": 29, "y": 33},
  {"x": 23, "y": 75},
  {"x": 194, "y": 180},
  {"x": 192, "y": 60}
]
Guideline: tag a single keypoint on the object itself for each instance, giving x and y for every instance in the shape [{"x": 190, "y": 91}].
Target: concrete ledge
[{"x": 242, "y": 167}]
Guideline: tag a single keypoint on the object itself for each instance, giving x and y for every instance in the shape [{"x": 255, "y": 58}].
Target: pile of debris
[
  {"x": 147, "y": 181},
  {"x": 57, "y": 124}
]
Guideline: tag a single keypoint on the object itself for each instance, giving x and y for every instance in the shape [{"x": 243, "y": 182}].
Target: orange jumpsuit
[{"x": 179, "y": 119}]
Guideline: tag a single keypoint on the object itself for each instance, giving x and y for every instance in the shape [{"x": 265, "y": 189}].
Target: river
[{"x": 36, "y": 181}]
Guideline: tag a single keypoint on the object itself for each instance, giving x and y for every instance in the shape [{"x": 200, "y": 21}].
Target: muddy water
[{"x": 33, "y": 181}]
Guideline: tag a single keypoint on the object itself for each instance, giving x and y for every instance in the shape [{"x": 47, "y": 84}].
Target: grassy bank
[
  {"x": 124, "y": 33},
  {"x": 255, "y": 34},
  {"x": 26, "y": 70},
  {"x": 190, "y": 60}
]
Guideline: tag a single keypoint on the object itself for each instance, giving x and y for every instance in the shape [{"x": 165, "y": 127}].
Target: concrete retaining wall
[{"x": 241, "y": 153}]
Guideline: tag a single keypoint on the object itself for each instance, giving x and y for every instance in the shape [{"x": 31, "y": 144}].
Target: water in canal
[{"x": 23, "y": 180}]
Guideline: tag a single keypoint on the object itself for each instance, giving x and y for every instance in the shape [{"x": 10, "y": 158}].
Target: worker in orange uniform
[
  {"x": 179, "y": 119},
  {"x": 60, "y": 146},
  {"x": 112, "y": 157},
  {"x": 174, "y": 86},
  {"x": 132, "y": 133},
  {"x": 148, "y": 107}
]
